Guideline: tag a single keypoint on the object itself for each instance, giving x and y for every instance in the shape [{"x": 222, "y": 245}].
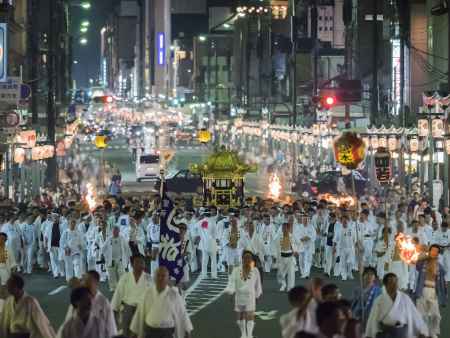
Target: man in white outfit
[
  {"x": 153, "y": 237},
  {"x": 345, "y": 240},
  {"x": 28, "y": 239},
  {"x": 332, "y": 227},
  {"x": 306, "y": 239},
  {"x": 117, "y": 254},
  {"x": 287, "y": 248},
  {"x": 73, "y": 244},
  {"x": 52, "y": 240},
  {"x": 208, "y": 244}
]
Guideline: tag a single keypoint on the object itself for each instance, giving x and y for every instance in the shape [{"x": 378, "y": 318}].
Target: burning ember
[
  {"x": 408, "y": 249},
  {"x": 274, "y": 187},
  {"x": 346, "y": 200},
  {"x": 90, "y": 196}
]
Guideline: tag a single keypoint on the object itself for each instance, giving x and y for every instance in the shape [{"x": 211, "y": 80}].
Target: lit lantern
[
  {"x": 19, "y": 155},
  {"x": 366, "y": 141},
  {"x": 316, "y": 130},
  {"x": 100, "y": 142},
  {"x": 392, "y": 143},
  {"x": 382, "y": 142},
  {"x": 437, "y": 128},
  {"x": 423, "y": 127},
  {"x": 414, "y": 145},
  {"x": 349, "y": 150},
  {"x": 447, "y": 146},
  {"x": 204, "y": 136},
  {"x": 374, "y": 142}
]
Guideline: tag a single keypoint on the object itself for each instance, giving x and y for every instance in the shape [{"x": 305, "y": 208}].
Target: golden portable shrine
[{"x": 223, "y": 176}]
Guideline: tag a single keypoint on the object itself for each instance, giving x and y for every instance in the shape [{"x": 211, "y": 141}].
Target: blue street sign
[
  {"x": 161, "y": 48},
  {"x": 25, "y": 91},
  {"x": 3, "y": 52}
]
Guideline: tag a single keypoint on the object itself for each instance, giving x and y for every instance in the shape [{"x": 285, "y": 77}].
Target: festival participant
[
  {"x": 117, "y": 253},
  {"x": 345, "y": 240},
  {"x": 442, "y": 238},
  {"x": 191, "y": 223},
  {"x": 250, "y": 240},
  {"x": 42, "y": 254},
  {"x": 368, "y": 234},
  {"x": 22, "y": 316},
  {"x": 52, "y": 239},
  {"x": 28, "y": 239},
  {"x": 431, "y": 289},
  {"x": 153, "y": 231},
  {"x": 124, "y": 217},
  {"x": 72, "y": 242},
  {"x": 245, "y": 285},
  {"x": 393, "y": 314},
  {"x": 208, "y": 243},
  {"x": 384, "y": 245},
  {"x": 162, "y": 312},
  {"x": 332, "y": 228},
  {"x": 132, "y": 285},
  {"x": 425, "y": 230},
  {"x": 319, "y": 221},
  {"x": 85, "y": 323},
  {"x": 12, "y": 230},
  {"x": 306, "y": 239},
  {"x": 364, "y": 298},
  {"x": 267, "y": 239},
  {"x": 85, "y": 226},
  {"x": 7, "y": 261},
  {"x": 135, "y": 236},
  {"x": 331, "y": 320},
  {"x": 101, "y": 307},
  {"x": 287, "y": 250},
  {"x": 99, "y": 236},
  {"x": 232, "y": 247}
]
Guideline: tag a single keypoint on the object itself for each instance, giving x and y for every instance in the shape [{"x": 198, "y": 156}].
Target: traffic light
[
  {"x": 103, "y": 99},
  {"x": 328, "y": 101}
]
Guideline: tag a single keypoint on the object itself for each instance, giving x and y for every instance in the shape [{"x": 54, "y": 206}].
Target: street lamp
[
  {"x": 85, "y": 23},
  {"x": 85, "y": 5},
  {"x": 83, "y": 41},
  {"x": 83, "y": 29},
  {"x": 202, "y": 38}
]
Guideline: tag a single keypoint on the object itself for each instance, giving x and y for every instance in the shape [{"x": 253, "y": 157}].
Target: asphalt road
[{"x": 211, "y": 310}]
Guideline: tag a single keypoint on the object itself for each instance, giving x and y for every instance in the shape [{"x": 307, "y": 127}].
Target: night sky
[{"x": 88, "y": 56}]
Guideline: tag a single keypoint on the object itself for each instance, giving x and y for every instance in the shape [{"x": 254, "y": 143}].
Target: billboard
[{"x": 3, "y": 52}]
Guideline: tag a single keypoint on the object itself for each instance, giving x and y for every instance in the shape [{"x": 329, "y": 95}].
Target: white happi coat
[
  {"x": 245, "y": 291},
  {"x": 130, "y": 292},
  {"x": 75, "y": 328},
  {"x": 267, "y": 239},
  {"x": 208, "y": 235},
  {"x": 251, "y": 243},
  {"x": 126, "y": 232},
  {"x": 171, "y": 303},
  {"x": 107, "y": 251},
  {"x": 390, "y": 312},
  {"x": 101, "y": 309},
  {"x": 73, "y": 240},
  {"x": 25, "y": 316},
  {"x": 306, "y": 231}
]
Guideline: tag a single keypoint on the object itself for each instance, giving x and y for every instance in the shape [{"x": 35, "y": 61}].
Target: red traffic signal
[
  {"x": 103, "y": 99},
  {"x": 330, "y": 101}
]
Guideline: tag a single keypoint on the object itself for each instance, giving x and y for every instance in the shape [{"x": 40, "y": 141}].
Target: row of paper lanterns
[{"x": 37, "y": 153}]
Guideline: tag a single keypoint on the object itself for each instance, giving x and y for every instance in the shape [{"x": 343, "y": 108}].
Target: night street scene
[{"x": 224, "y": 168}]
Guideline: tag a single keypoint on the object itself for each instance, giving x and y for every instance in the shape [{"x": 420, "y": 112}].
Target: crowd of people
[{"x": 118, "y": 242}]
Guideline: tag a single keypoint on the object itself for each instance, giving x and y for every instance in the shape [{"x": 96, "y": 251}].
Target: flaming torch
[
  {"x": 274, "y": 187},
  {"x": 90, "y": 196},
  {"x": 408, "y": 248}
]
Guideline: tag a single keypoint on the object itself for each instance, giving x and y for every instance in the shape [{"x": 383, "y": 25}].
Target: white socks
[
  {"x": 250, "y": 327},
  {"x": 241, "y": 325}
]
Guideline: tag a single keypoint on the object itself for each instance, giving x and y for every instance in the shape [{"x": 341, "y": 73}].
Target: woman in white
[{"x": 245, "y": 284}]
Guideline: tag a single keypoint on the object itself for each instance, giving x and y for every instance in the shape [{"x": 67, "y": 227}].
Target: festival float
[{"x": 223, "y": 176}]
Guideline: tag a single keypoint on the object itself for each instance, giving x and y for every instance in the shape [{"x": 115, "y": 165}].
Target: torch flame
[
  {"x": 90, "y": 196},
  {"x": 338, "y": 200},
  {"x": 409, "y": 251},
  {"x": 274, "y": 186}
]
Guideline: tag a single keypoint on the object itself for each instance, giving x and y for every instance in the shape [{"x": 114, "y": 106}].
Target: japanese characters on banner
[
  {"x": 383, "y": 166},
  {"x": 26, "y": 138},
  {"x": 42, "y": 152}
]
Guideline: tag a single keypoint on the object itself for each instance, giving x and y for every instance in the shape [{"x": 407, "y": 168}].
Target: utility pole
[
  {"x": 314, "y": 17},
  {"x": 348, "y": 21},
  {"x": 51, "y": 113},
  {"x": 446, "y": 162},
  {"x": 294, "y": 63},
  {"x": 374, "y": 98},
  {"x": 32, "y": 56}
]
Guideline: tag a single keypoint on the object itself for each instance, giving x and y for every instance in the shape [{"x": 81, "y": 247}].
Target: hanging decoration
[{"x": 349, "y": 150}]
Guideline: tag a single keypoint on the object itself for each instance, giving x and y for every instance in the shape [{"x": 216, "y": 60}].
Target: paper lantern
[
  {"x": 19, "y": 155},
  {"x": 100, "y": 141},
  {"x": 316, "y": 129},
  {"x": 204, "y": 136},
  {"x": 414, "y": 145},
  {"x": 392, "y": 143},
  {"x": 382, "y": 142},
  {"x": 374, "y": 142},
  {"x": 349, "y": 150},
  {"x": 437, "y": 128},
  {"x": 423, "y": 127},
  {"x": 447, "y": 146}
]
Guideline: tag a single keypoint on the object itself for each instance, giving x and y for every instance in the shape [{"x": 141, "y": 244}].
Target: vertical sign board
[
  {"x": 3, "y": 52},
  {"x": 161, "y": 47}
]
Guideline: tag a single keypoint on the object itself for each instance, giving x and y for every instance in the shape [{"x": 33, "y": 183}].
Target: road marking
[
  {"x": 205, "y": 291},
  {"x": 266, "y": 315},
  {"x": 57, "y": 290}
]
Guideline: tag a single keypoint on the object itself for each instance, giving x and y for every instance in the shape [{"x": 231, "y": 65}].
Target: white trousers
[
  {"x": 4, "y": 274},
  {"x": 368, "y": 257},
  {"x": 206, "y": 256},
  {"x": 305, "y": 259},
  {"x": 345, "y": 266},
  {"x": 446, "y": 263},
  {"x": 329, "y": 259},
  {"x": 73, "y": 266},
  {"x": 428, "y": 306},
  {"x": 286, "y": 272},
  {"x": 114, "y": 274},
  {"x": 56, "y": 264},
  {"x": 28, "y": 251}
]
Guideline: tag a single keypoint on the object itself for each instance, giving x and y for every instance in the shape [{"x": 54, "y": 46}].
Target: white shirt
[
  {"x": 160, "y": 313},
  {"x": 130, "y": 292},
  {"x": 116, "y": 249}
]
